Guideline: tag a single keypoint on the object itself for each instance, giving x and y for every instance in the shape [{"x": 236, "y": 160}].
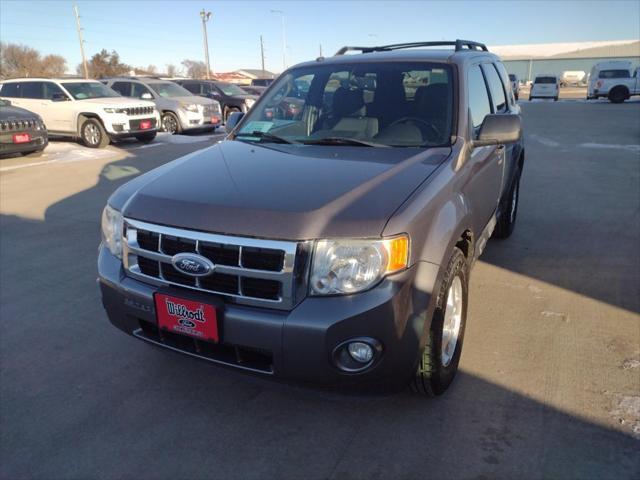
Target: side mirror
[
  {"x": 232, "y": 121},
  {"x": 146, "y": 96},
  {"x": 59, "y": 97},
  {"x": 498, "y": 130}
]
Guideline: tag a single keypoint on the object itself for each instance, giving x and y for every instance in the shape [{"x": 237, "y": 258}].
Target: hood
[
  {"x": 9, "y": 113},
  {"x": 118, "y": 102},
  {"x": 192, "y": 99},
  {"x": 280, "y": 191}
]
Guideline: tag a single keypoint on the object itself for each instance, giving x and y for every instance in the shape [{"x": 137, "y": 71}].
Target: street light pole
[
  {"x": 79, "y": 28},
  {"x": 284, "y": 39},
  {"x": 205, "y": 16}
]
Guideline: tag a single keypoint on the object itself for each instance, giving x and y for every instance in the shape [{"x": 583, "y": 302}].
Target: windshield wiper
[
  {"x": 343, "y": 141},
  {"x": 270, "y": 137}
]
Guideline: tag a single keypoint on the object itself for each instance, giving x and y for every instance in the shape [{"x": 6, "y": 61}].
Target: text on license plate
[
  {"x": 187, "y": 317},
  {"x": 21, "y": 138}
]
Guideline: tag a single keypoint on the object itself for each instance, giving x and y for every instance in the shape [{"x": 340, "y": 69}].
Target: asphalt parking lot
[{"x": 549, "y": 385}]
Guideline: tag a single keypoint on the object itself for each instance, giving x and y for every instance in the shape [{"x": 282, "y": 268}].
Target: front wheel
[
  {"x": 507, "y": 219},
  {"x": 170, "y": 123},
  {"x": 93, "y": 134},
  {"x": 146, "y": 137},
  {"x": 438, "y": 364}
]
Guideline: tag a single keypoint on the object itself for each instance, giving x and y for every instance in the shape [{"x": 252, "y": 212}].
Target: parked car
[
  {"x": 261, "y": 82},
  {"x": 515, "y": 85},
  {"x": 180, "y": 110},
  {"x": 231, "y": 97},
  {"x": 545, "y": 86},
  {"x": 84, "y": 109},
  {"x": 572, "y": 77},
  {"x": 254, "y": 90},
  {"x": 334, "y": 247},
  {"x": 21, "y": 131},
  {"x": 614, "y": 80}
]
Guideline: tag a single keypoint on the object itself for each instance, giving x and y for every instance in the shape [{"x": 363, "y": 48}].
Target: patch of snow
[
  {"x": 544, "y": 141},
  {"x": 631, "y": 148}
]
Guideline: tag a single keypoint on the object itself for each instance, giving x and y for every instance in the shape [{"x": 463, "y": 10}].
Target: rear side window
[
  {"x": 546, "y": 80},
  {"x": 615, "y": 74},
  {"x": 10, "y": 90},
  {"x": 192, "y": 87},
  {"x": 495, "y": 86},
  {"x": 478, "y": 96},
  {"x": 32, "y": 90},
  {"x": 139, "y": 90},
  {"x": 123, "y": 88}
]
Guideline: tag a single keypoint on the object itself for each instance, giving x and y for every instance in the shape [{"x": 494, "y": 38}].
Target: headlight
[
  {"x": 112, "y": 230},
  {"x": 348, "y": 266},
  {"x": 249, "y": 102},
  {"x": 115, "y": 110},
  {"x": 191, "y": 107}
]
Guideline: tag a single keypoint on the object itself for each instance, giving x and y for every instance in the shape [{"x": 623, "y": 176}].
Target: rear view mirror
[
  {"x": 59, "y": 97},
  {"x": 498, "y": 130},
  {"x": 232, "y": 121},
  {"x": 146, "y": 96}
]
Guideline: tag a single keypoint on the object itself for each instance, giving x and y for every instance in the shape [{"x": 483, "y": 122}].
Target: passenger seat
[{"x": 347, "y": 115}]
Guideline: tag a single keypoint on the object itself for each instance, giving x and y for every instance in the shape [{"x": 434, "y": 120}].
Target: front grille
[
  {"x": 139, "y": 110},
  {"x": 211, "y": 110},
  {"x": 14, "y": 125},
  {"x": 135, "y": 124},
  {"x": 247, "y": 270}
]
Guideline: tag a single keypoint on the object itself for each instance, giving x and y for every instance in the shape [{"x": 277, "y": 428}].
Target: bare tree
[
  {"x": 22, "y": 61},
  {"x": 105, "y": 64},
  {"x": 152, "y": 69},
  {"x": 195, "y": 69},
  {"x": 172, "y": 70}
]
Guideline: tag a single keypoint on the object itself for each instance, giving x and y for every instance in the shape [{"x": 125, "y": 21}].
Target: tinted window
[
  {"x": 10, "y": 90},
  {"x": 123, "y": 88},
  {"x": 496, "y": 88},
  {"x": 546, "y": 80},
  {"x": 230, "y": 89},
  {"x": 50, "y": 89},
  {"x": 139, "y": 89},
  {"x": 31, "y": 90},
  {"x": 614, "y": 74},
  {"x": 192, "y": 87},
  {"x": 478, "y": 97}
]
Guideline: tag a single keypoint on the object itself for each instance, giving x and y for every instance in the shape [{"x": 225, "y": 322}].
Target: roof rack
[{"x": 459, "y": 45}]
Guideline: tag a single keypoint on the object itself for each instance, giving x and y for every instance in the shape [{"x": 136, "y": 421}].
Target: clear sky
[{"x": 162, "y": 32}]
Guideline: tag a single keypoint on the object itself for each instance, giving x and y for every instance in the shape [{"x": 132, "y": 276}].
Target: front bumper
[
  {"x": 39, "y": 141},
  {"x": 294, "y": 345},
  {"x": 198, "y": 120}
]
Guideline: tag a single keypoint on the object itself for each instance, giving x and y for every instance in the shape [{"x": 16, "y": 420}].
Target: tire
[
  {"x": 170, "y": 123},
  {"x": 530, "y": 98},
  {"x": 555, "y": 99},
  {"x": 33, "y": 153},
  {"x": 509, "y": 212},
  {"x": 617, "y": 95},
  {"x": 93, "y": 134},
  {"x": 228, "y": 111},
  {"x": 437, "y": 369},
  {"x": 146, "y": 137}
]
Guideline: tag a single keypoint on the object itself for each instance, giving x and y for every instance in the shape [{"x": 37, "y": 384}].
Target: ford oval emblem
[{"x": 192, "y": 264}]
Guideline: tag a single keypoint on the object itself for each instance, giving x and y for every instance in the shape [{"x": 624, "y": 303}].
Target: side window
[
  {"x": 478, "y": 97},
  {"x": 496, "y": 88},
  {"x": 32, "y": 90},
  {"x": 506, "y": 81},
  {"x": 192, "y": 87},
  {"x": 123, "y": 88},
  {"x": 50, "y": 89},
  {"x": 10, "y": 90},
  {"x": 139, "y": 90}
]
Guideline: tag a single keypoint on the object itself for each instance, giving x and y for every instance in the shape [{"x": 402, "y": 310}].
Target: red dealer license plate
[
  {"x": 21, "y": 138},
  {"x": 187, "y": 317},
  {"x": 145, "y": 124}
]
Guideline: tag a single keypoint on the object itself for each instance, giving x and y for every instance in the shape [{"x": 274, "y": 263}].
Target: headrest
[{"x": 347, "y": 101}]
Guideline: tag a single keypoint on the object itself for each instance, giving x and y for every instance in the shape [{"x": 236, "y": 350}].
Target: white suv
[{"x": 84, "y": 109}]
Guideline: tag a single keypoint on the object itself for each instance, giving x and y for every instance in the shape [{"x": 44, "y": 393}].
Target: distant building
[
  {"x": 244, "y": 77},
  {"x": 527, "y": 61}
]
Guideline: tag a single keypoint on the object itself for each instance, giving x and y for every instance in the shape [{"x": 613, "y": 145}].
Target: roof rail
[{"x": 458, "y": 44}]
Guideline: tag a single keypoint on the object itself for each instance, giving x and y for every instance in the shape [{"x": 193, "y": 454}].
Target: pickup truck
[
  {"x": 614, "y": 80},
  {"x": 332, "y": 245}
]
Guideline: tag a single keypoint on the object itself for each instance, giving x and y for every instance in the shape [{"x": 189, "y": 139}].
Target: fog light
[{"x": 361, "y": 352}]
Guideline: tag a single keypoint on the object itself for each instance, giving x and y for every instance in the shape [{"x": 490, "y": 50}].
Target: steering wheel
[{"x": 421, "y": 121}]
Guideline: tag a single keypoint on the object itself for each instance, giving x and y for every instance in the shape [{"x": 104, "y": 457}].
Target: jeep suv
[
  {"x": 232, "y": 98},
  {"x": 83, "y": 109},
  {"x": 333, "y": 246},
  {"x": 180, "y": 110}
]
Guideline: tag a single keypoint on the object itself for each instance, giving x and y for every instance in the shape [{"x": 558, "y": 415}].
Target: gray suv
[
  {"x": 331, "y": 243},
  {"x": 180, "y": 110}
]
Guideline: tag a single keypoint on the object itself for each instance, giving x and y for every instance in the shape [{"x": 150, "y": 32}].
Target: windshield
[
  {"x": 398, "y": 104},
  {"x": 230, "y": 89},
  {"x": 545, "y": 80},
  {"x": 87, "y": 90},
  {"x": 169, "y": 89}
]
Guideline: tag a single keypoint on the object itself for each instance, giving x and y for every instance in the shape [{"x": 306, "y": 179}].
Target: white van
[
  {"x": 545, "y": 86},
  {"x": 614, "y": 80}
]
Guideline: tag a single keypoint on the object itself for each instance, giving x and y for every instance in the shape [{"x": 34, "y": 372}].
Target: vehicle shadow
[{"x": 81, "y": 399}]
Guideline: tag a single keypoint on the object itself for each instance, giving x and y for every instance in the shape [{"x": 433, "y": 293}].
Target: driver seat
[{"x": 347, "y": 116}]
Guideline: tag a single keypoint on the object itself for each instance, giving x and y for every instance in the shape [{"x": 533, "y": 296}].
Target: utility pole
[
  {"x": 321, "y": 50},
  {"x": 262, "y": 53},
  {"x": 205, "y": 16},
  {"x": 284, "y": 40},
  {"x": 84, "y": 58}
]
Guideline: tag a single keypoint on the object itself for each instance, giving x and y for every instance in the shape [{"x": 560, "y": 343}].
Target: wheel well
[
  {"x": 620, "y": 87},
  {"x": 85, "y": 116},
  {"x": 465, "y": 244}
]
